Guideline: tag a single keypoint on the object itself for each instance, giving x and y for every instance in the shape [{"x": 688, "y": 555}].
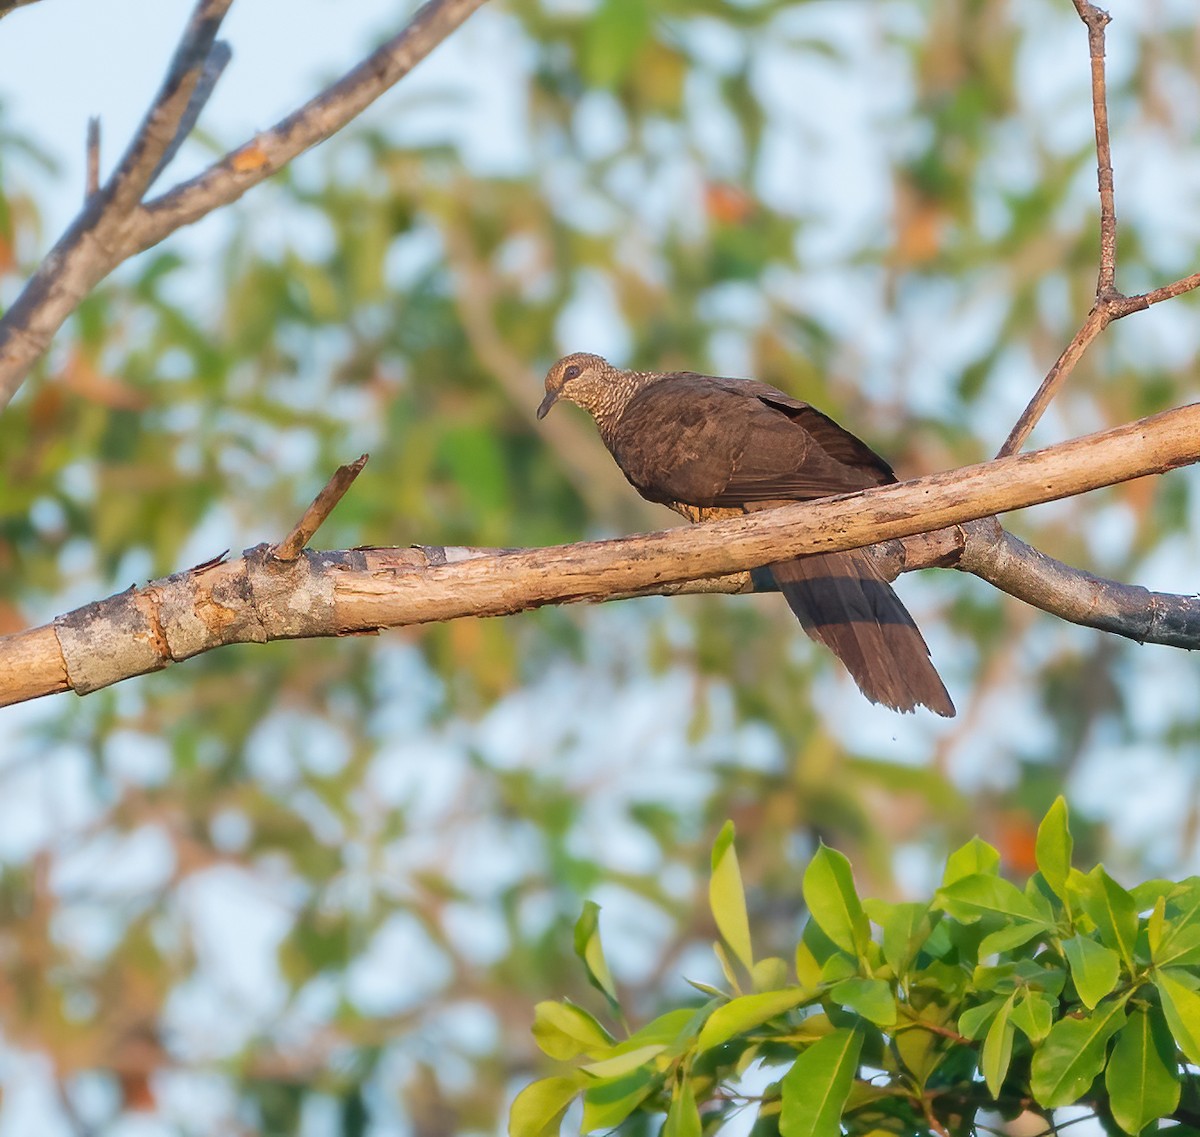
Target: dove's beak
[{"x": 549, "y": 401}]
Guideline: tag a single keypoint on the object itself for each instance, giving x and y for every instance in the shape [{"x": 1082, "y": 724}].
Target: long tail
[{"x": 842, "y": 601}]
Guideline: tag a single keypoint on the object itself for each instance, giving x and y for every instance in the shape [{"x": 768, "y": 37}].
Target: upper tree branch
[
  {"x": 115, "y": 224},
  {"x": 159, "y": 128},
  {"x": 317, "y": 120},
  {"x": 97, "y": 240},
  {"x": 217, "y": 60},
  {"x": 1111, "y": 304},
  {"x": 1097, "y": 20},
  {"x": 259, "y": 597}
]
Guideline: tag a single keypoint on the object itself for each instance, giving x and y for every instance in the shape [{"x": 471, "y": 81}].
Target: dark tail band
[{"x": 843, "y": 602}]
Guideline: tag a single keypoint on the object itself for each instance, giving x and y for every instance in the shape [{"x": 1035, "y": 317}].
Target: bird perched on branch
[{"x": 711, "y": 447}]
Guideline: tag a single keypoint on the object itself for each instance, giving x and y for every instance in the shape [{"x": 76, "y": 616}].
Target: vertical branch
[
  {"x": 1110, "y": 304},
  {"x": 1097, "y": 20}
]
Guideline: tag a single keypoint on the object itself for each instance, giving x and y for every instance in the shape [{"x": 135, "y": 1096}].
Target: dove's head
[{"x": 588, "y": 381}]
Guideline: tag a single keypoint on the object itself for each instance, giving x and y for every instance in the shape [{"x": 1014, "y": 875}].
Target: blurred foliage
[{"x": 324, "y": 884}]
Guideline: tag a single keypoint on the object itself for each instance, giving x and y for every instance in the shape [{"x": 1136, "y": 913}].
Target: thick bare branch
[
  {"x": 1127, "y": 610},
  {"x": 258, "y": 597}
]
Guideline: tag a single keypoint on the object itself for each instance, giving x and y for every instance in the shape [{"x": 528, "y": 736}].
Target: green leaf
[
  {"x": 871, "y": 998},
  {"x": 1181, "y": 1005},
  {"x": 997, "y": 1048},
  {"x": 808, "y": 967},
  {"x": 590, "y": 950},
  {"x": 972, "y": 1022},
  {"x": 1095, "y": 969},
  {"x": 613, "y": 37},
  {"x": 1034, "y": 1014},
  {"x": 973, "y": 897},
  {"x": 727, "y": 898},
  {"x": 670, "y": 1027},
  {"x": 683, "y": 1118},
  {"x": 624, "y": 1061},
  {"x": 815, "y": 1089},
  {"x": 748, "y": 1011},
  {"x": 1073, "y": 1054},
  {"x": 1142, "y": 1076},
  {"x": 726, "y": 965},
  {"x": 606, "y": 1105},
  {"x": 922, "y": 1048},
  {"x": 1053, "y": 849},
  {"x": 564, "y": 1031},
  {"x": 1155, "y": 925},
  {"x": 1009, "y": 937},
  {"x": 1184, "y": 898},
  {"x": 769, "y": 974},
  {"x": 1114, "y": 912},
  {"x": 974, "y": 857},
  {"x": 1180, "y": 946},
  {"x": 905, "y": 928},
  {"x": 833, "y": 902},
  {"x": 836, "y": 968},
  {"x": 1148, "y": 893},
  {"x": 538, "y": 1109}
]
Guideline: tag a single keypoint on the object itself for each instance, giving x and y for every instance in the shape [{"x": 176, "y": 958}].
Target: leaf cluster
[{"x": 907, "y": 1017}]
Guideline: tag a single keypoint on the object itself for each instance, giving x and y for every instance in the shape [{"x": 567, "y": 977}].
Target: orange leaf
[{"x": 727, "y": 204}]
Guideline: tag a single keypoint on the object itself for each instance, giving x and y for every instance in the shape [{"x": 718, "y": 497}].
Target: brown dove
[{"x": 712, "y": 447}]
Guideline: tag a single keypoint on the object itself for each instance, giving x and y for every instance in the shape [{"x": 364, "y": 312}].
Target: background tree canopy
[{"x": 319, "y": 886}]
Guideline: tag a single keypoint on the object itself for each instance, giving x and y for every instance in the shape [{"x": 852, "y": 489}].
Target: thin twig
[
  {"x": 1097, "y": 20},
  {"x": 1111, "y": 304},
  {"x": 1063, "y": 366},
  {"x": 1167, "y": 292},
  {"x": 930, "y": 1117},
  {"x": 1049, "y": 1131},
  {"x": 92, "y": 187},
  {"x": 935, "y": 1028},
  {"x": 1100, "y": 316},
  {"x": 323, "y": 505}
]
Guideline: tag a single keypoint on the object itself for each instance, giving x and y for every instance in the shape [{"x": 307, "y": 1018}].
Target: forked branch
[
  {"x": 1111, "y": 304},
  {"x": 116, "y": 224}
]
